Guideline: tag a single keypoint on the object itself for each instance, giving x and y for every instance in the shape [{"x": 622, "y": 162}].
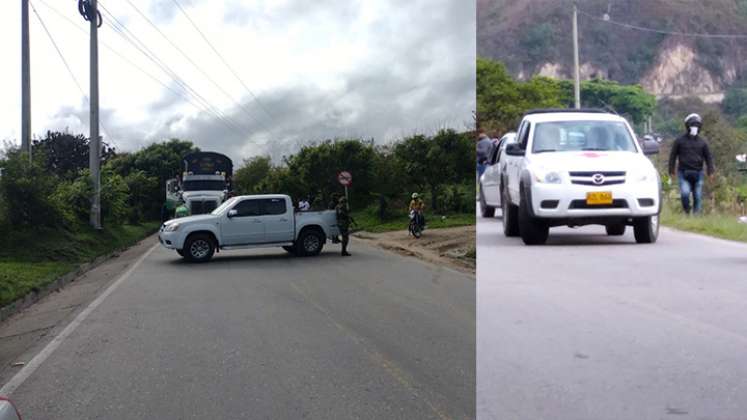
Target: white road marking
[{"x": 31, "y": 366}]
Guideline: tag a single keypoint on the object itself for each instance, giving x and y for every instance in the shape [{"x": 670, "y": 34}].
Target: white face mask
[{"x": 694, "y": 131}]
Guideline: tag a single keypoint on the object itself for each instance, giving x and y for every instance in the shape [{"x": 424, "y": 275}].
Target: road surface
[
  {"x": 592, "y": 327},
  {"x": 262, "y": 335}
]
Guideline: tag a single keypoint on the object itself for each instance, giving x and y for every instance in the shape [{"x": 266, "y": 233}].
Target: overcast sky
[{"x": 320, "y": 69}]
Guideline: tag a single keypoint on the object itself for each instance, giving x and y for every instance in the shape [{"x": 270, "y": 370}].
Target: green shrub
[
  {"x": 27, "y": 192},
  {"x": 75, "y": 198}
]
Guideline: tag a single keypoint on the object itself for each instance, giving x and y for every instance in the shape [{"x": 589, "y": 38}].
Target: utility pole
[
  {"x": 576, "y": 70},
  {"x": 95, "y": 140},
  {"x": 25, "y": 80}
]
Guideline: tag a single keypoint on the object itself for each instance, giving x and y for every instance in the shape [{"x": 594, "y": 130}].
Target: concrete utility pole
[
  {"x": 25, "y": 80},
  {"x": 95, "y": 140},
  {"x": 576, "y": 70}
]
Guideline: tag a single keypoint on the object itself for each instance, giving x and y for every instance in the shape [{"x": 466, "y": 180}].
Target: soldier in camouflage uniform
[{"x": 344, "y": 221}]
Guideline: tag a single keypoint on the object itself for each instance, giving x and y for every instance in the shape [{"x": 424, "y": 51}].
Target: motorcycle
[{"x": 416, "y": 224}]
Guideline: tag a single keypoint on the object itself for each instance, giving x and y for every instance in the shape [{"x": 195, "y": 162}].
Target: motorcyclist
[
  {"x": 417, "y": 207},
  {"x": 690, "y": 151}
]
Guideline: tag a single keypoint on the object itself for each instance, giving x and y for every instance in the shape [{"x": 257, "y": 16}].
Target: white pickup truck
[
  {"x": 250, "y": 221},
  {"x": 575, "y": 168}
]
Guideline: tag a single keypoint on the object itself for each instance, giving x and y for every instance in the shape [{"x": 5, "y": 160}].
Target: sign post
[{"x": 345, "y": 179}]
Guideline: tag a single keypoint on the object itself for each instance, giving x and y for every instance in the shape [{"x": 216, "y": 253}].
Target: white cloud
[{"x": 322, "y": 69}]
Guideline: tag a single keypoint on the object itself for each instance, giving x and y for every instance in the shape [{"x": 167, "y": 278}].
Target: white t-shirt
[{"x": 303, "y": 205}]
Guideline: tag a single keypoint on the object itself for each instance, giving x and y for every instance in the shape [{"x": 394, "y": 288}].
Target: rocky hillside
[{"x": 534, "y": 37}]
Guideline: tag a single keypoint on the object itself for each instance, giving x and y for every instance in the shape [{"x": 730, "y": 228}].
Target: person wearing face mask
[{"x": 690, "y": 151}]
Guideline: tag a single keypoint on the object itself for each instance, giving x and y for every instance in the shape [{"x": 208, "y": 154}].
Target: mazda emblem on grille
[{"x": 597, "y": 179}]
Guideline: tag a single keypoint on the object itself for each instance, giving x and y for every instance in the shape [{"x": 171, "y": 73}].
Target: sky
[{"x": 304, "y": 71}]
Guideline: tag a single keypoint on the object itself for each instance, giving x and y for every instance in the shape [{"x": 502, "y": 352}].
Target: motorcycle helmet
[{"x": 693, "y": 120}]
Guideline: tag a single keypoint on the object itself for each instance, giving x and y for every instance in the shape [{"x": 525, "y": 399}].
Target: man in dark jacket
[{"x": 690, "y": 151}]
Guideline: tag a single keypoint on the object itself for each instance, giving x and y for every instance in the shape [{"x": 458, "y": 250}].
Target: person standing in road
[
  {"x": 343, "y": 224},
  {"x": 690, "y": 151},
  {"x": 483, "y": 150}
]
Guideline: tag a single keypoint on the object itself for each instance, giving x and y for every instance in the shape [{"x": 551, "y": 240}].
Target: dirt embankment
[{"x": 452, "y": 247}]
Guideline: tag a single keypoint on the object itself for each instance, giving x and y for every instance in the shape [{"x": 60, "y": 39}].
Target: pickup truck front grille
[
  {"x": 202, "y": 207},
  {"x": 597, "y": 179}
]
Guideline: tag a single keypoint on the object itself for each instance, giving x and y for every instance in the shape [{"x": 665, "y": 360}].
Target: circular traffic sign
[{"x": 345, "y": 178}]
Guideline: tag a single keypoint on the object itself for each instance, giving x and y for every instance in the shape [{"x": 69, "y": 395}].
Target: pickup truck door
[
  {"x": 278, "y": 218},
  {"x": 246, "y": 227},
  {"x": 491, "y": 178},
  {"x": 515, "y": 164}
]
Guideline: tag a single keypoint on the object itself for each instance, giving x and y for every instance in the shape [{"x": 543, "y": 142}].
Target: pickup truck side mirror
[
  {"x": 514, "y": 149},
  {"x": 650, "y": 147},
  {"x": 233, "y": 213}
]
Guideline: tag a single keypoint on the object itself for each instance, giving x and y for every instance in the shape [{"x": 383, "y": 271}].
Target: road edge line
[{"x": 20, "y": 377}]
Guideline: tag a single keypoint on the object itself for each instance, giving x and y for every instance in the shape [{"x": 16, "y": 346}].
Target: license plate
[{"x": 598, "y": 198}]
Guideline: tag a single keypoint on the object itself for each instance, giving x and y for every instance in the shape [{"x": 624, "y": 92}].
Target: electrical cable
[
  {"x": 235, "y": 74},
  {"x": 67, "y": 66},
  {"x": 131, "y": 38},
  {"x": 659, "y": 31},
  {"x": 194, "y": 64}
]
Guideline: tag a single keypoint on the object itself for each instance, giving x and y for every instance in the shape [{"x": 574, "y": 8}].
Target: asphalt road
[
  {"x": 262, "y": 335},
  {"x": 592, "y": 327}
]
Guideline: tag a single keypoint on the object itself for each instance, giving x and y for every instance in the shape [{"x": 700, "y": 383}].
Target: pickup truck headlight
[
  {"x": 548, "y": 177},
  {"x": 172, "y": 227},
  {"x": 645, "y": 176}
]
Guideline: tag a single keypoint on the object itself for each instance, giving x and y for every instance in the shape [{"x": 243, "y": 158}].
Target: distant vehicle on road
[
  {"x": 250, "y": 221},
  {"x": 490, "y": 196},
  {"x": 204, "y": 184},
  {"x": 575, "y": 168}
]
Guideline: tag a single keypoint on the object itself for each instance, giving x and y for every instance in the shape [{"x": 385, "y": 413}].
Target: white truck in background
[{"x": 250, "y": 221}]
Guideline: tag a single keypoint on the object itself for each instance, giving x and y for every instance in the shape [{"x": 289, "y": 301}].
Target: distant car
[
  {"x": 250, "y": 221},
  {"x": 490, "y": 197},
  {"x": 575, "y": 168}
]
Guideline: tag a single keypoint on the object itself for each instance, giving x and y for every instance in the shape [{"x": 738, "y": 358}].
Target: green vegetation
[
  {"x": 501, "y": 100},
  {"x": 368, "y": 220},
  {"x": 441, "y": 166},
  {"x": 39, "y": 256},
  {"x": 719, "y": 225}
]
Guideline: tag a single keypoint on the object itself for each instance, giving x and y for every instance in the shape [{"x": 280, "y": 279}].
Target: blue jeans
[
  {"x": 691, "y": 182},
  {"x": 480, "y": 169}
]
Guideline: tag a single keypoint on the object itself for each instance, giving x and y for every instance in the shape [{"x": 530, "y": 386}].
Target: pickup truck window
[
  {"x": 248, "y": 208},
  {"x": 524, "y": 134},
  {"x": 273, "y": 206},
  {"x": 568, "y": 136}
]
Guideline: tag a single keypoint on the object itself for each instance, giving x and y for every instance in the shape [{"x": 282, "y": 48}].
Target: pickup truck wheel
[
  {"x": 616, "y": 229},
  {"x": 646, "y": 229},
  {"x": 310, "y": 243},
  {"x": 199, "y": 248},
  {"x": 510, "y": 217},
  {"x": 533, "y": 231},
  {"x": 485, "y": 210}
]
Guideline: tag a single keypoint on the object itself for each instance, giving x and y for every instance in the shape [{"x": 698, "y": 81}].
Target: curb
[{"x": 59, "y": 283}]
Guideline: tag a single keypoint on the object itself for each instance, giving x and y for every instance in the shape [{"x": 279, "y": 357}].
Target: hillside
[{"x": 534, "y": 37}]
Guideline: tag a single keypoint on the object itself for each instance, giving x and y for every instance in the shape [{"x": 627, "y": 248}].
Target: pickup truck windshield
[
  {"x": 569, "y": 136},
  {"x": 204, "y": 185},
  {"x": 225, "y": 204}
]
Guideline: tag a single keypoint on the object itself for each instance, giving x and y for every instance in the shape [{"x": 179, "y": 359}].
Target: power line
[
  {"x": 67, "y": 66},
  {"x": 197, "y": 66},
  {"x": 122, "y": 57},
  {"x": 131, "y": 38},
  {"x": 184, "y": 12},
  {"x": 660, "y": 31}
]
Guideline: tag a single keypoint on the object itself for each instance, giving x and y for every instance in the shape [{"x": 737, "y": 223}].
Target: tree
[
  {"x": 248, "y": 177},
  {"x": 735, "y": 101},
  {"x": 67, "y": 154},
  {"x": 27, "y": 191}
]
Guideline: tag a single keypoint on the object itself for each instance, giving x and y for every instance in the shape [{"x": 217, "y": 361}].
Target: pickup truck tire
[
  {"x": 533, "y": 231},
  {"x": 485, "y": 210},
  {"x": 510, "y": 217},
  {"x": 199, "y": 248},
  {"x": 616, "y": 229},
  {"x": 646, "y": 229},
  {"x": 180, "y": 252},
  {"x": 310, "y": 242}
]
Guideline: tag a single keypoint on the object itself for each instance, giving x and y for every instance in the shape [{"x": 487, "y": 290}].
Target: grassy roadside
[
  {"x": 368, "y": 220},
  {"x": 716, "y": 225},
  {"x": 35, "y": 258}
]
